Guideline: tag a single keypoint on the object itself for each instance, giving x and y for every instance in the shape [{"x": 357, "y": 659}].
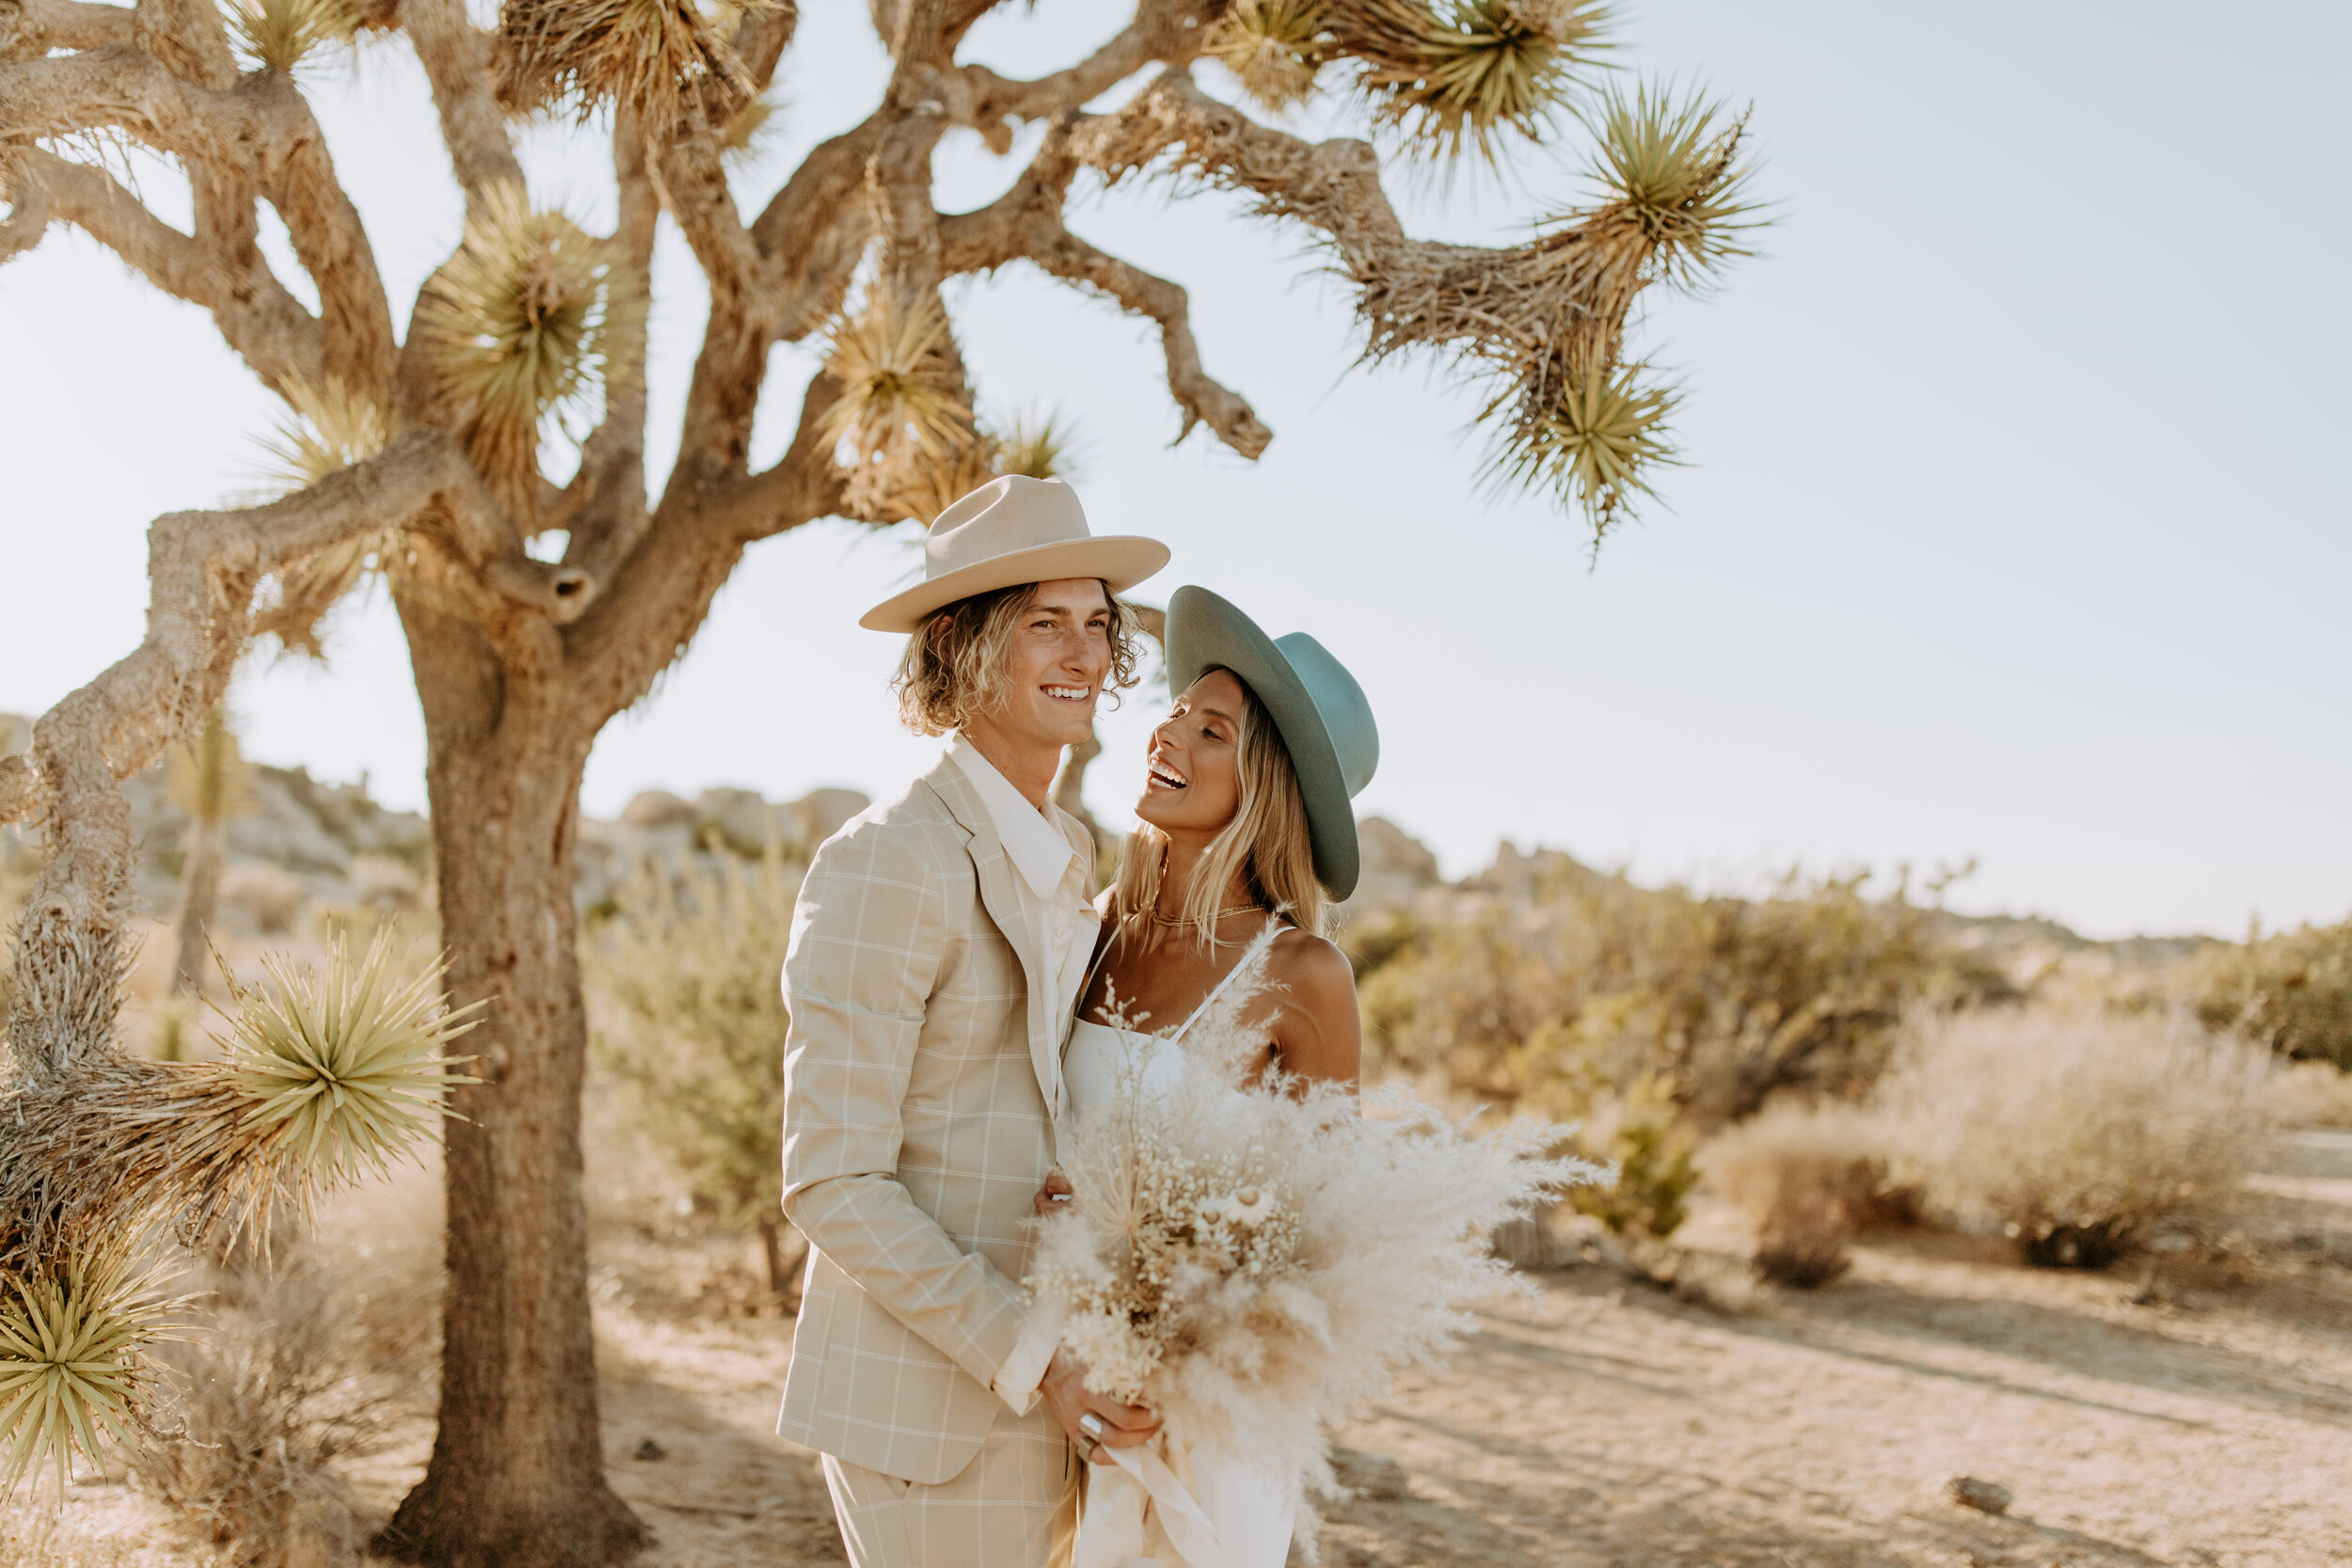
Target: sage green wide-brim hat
[{"x": 1323, "y": 715}]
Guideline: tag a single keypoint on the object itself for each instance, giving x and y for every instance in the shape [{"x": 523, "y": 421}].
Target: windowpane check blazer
[{"x": 917, "y": 1128}]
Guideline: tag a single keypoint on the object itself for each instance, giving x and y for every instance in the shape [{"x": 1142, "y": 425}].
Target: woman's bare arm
[{"x": 1318, "y": 1034}]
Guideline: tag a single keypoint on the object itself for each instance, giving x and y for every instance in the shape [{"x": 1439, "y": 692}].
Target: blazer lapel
[{"x": 1002, "y": 899}]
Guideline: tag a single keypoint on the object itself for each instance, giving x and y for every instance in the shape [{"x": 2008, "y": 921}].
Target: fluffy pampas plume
[{"x": 1252, "y": 1262}]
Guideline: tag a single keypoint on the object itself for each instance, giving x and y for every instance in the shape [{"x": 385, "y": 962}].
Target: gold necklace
[{"x": 1158, "y": 919}]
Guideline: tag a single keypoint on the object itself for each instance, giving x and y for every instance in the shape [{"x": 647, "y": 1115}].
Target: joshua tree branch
[
  {"x": 816, "y": 229},
  {"x": 30, "y": 213},
  {"x": 645, "y": 620},
  {"x": 47, "y": 24},
  {"x": 456, "y": 59},
  {"x": 188, "y": 38},
  {"x": 1168, "y": 31},
  {"x": 256, "y": 316},
  {"x": 203, "y": 568},
  {"x": 1025, "y": 224},
  {"x": 604, "y": 507},
  {"x": 259, "y": 129}
]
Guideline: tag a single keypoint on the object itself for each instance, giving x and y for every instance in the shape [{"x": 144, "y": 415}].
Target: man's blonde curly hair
[{"x": 953, "y": 670}]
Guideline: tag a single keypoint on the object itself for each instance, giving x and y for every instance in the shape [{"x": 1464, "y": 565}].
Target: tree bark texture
[{"x": 516, "y": 1477}]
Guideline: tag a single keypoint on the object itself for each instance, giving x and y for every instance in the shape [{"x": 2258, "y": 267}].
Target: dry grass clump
[
  {"x": 2292, "y": 989},
  {"x": 1809, "y": 1178},
  {"x": 2312, "y": 1094},
  {"x": 270, "y": 895},
  {"x": 686, "y": 1015},
  {"x": 2078, "y": 1133},
  {"x": 305, "y": 1359}
]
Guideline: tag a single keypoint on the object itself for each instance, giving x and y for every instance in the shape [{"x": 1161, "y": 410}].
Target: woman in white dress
[{"x": 1245, "y": 824}]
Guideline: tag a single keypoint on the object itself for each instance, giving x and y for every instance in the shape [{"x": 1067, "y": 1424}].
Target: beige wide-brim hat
[{"x": 1008, "y": 531}]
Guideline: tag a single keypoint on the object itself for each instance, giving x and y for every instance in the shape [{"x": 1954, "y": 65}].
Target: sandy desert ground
[{"x": 2194, "y": 1409}]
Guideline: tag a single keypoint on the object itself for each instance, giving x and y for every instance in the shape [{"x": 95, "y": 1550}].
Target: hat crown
[
  {"x": 1345, "y": 710},
  {"x": 1008, "y": 514}
]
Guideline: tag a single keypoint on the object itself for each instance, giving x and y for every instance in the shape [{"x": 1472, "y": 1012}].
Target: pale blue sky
[{"x": 2015, "y": 523}]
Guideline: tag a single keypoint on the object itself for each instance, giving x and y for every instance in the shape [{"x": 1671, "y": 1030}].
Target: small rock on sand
[{"x": 1985, "y": 1497}]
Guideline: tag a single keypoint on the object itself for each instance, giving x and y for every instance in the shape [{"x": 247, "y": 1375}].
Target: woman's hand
[
  {"x": 1093, "y": 1422},
  {"x": 1054, "y": 1195}
]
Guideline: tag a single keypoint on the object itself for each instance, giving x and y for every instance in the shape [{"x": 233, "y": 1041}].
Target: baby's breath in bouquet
[{"x": 1253, "y": 1260}]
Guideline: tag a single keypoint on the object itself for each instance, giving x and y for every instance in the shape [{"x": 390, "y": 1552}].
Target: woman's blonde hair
[
  {"x": 953, "y": 669},
  {"x": 1267, "y": 848}
]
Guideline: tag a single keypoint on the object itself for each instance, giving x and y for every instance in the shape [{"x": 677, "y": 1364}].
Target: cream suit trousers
[{"x": 1014, "y": 1506}]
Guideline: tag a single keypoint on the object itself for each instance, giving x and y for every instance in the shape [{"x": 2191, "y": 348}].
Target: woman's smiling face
[{"x": 1192, "y": 780}]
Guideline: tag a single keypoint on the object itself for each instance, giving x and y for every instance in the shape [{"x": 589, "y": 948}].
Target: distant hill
[{"x": 305, "y": 841}]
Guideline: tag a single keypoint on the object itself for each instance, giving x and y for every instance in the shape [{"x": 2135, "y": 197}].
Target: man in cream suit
[{"x": 936, "y": 954}]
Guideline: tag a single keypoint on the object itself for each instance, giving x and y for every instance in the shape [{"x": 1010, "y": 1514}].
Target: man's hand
[
  {"x": 1092, "y": 1421},
  {"x": 1054, "y": 1195}
]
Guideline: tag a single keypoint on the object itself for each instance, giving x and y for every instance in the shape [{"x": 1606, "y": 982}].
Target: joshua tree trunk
[
  {"x": 200, "y": 894},
  {"x": 516, "y": 1477}
]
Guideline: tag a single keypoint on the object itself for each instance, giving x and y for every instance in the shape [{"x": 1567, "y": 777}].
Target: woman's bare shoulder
[{"x": 1311, "y": 966}]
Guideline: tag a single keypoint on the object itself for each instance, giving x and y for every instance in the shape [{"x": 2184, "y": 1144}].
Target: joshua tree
[
  {"x": 534, "y": 329},
  {"x": 208, "y": 782}
]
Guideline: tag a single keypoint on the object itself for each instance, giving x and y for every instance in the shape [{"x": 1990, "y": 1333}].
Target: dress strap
[{"x": 1218, "y": 989}]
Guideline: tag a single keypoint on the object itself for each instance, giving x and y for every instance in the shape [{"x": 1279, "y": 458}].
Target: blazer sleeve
[{"x": 869, "y": 936}]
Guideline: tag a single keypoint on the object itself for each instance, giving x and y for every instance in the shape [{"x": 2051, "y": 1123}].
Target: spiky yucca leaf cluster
[
  {"x": 71, "y": 1366},
  {"x": 1273, "y": 48},
  {"x": 276, "y": 35},
  {"x": 330, "y": 428},
  {"x": 901, "y": 424},
  {"x": 1449, "y": 77},
  {"x": 1575, "y": 414},
  {"x": 1041, "y": 446},
  {"x": 1594, "y": 443},
  {"x": 1673, "y": 184},
  {"x": 644, "y": 55},
  {"x": 344, "y": 1069},
  {"x": 517, "y": 326},
  {"x": 752, "y": 130}
]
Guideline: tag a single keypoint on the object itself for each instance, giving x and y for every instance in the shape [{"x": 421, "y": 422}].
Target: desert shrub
[
  {"x": 1808, "y": 1177},
  {"x": 1803, "y": 1240},
  {"x": 2078, "y": 1133},
  {"x": 2292, "y": 989},
  {"x": 385, "y": 881},
  {"x": 684, "y": 980},
  {"x": 303, "y": 1357},
  {"x": 270, "y": 895},
  {"x": 1640, "y": 1129},
  {"x": 1835, "y": 1148},
  {"x": 2311, "y": 1094},
  {"x": 1587, "y": 980}
]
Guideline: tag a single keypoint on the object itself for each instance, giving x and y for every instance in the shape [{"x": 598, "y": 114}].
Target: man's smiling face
[{"x": 1055, "y": 666}]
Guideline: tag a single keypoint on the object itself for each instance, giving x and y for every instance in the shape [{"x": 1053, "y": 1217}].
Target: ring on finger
[
  {"x": 1091, "y": 1425},
  {"x": 1086, "y": 1448}
]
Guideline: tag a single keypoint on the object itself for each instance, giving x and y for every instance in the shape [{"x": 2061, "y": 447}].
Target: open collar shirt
[{"x": 1052, "y": 886}]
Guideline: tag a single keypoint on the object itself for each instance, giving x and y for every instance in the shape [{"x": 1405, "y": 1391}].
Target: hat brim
[
  {"x": 1121, "y": 560},
  {"x": 1206, "y": 632}
]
